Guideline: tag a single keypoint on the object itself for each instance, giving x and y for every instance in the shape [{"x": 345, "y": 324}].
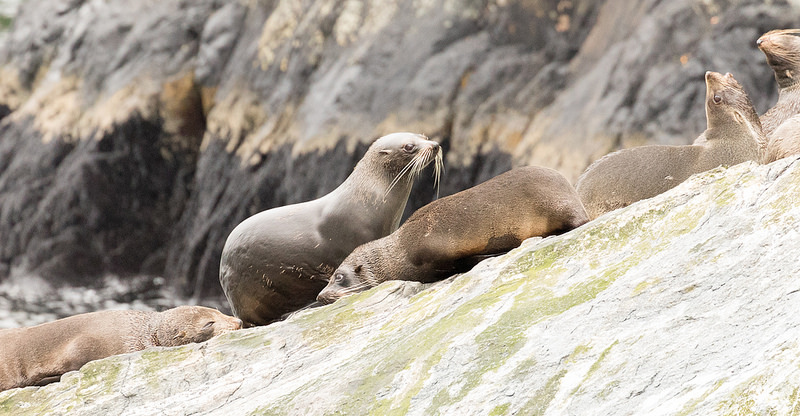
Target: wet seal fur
[
  {"x": 278, "y": 260},
  {"x": 782, "y": 50},
  {"x": 40, "y": 354},
  {"x": 733, "y": 136},
  {"x": 449, "y": 235}
]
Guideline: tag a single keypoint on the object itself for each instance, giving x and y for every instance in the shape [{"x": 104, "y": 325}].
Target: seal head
[
  {"x": 782, "y": 50},
  {"x": 730, "y": 113},
  {"x": 188, "y": 324}
]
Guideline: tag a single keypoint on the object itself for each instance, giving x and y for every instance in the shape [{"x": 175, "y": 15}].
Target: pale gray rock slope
[{"x": 682, "y": 304}]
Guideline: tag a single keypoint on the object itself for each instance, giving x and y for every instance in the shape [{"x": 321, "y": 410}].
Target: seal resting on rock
[
  {"x": 785, "y": 140},
  {"x": 782, "y": 49},
  {"x": 733, "y": 136},
  {"x": 278, "y": 260},
  {"x": 40, "y": 354},
  {"x": 448, "y": 235}
]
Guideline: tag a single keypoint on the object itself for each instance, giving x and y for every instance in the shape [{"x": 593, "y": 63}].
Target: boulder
[{"x": 681, "y": 304}]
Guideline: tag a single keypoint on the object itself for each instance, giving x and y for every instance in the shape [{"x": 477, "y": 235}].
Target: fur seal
[
  {"x": 449, "y": 235},
  {"x": 782, "y": 50},
  {"x": 733, "y": 135},
  {"x": 785, "y": 140},
  {"x": 40, "y": 354},
  {"x": 276, "y": 261}
]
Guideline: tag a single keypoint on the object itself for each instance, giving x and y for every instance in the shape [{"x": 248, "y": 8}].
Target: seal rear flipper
[
  {"x": 47, "y": 380},
  {"x": 465, "y": 264}
]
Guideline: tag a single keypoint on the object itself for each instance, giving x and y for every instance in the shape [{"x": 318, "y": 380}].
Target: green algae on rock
[{"x": 681, "y": 304}]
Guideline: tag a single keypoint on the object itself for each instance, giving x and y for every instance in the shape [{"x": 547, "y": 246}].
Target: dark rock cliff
[{"x": 135, "y": 136}]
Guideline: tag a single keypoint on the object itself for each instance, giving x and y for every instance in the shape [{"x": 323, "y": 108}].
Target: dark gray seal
[
  {"x": 733, "y": 136},
  {"x": 449, "y": 235},
  {"x": 278, "y": 260}
]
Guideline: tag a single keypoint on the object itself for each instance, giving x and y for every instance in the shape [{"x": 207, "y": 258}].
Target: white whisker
[
  {"x": 438, "y": 168},
  {"x": 397, "y": 178},
  {"x": 414, "y": 167},
  {"x": 356, "y": 288}
]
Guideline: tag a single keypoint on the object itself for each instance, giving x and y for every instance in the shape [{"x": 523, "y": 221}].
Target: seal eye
[
  {"x": 208, "y": 325},
  {"x": 717, "y": 99},
  {"x": 338, "y": 278},
  {"x": 409, "y": 147}
]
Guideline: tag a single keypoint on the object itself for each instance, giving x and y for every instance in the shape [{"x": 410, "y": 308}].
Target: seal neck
[{"x": 368, "y": 186}]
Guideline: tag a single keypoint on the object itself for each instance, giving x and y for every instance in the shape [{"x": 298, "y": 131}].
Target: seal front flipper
[{"x": 466, "y": 264}]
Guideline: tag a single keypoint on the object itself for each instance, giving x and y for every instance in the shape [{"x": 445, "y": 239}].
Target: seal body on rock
[
  {"x": 733, "y": 136},
  {"x": 785, "y": 140},
  {"x": 782, "y": 50},
  {"x": 278, "y": 260},
  {"x": 447, "y": 235},
  {"x": 40, "y": 354}
]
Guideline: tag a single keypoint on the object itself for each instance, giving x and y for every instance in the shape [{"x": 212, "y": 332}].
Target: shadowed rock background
[{"x": 135, "y": 135}]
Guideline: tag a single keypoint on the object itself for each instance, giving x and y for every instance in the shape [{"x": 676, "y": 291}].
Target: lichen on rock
[{"x": 680, "y": 304}]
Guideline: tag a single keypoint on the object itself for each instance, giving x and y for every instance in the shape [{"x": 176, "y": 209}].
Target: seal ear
[
  {"x": 357, "y": 269},
  {"x": 738, "y": 117}
]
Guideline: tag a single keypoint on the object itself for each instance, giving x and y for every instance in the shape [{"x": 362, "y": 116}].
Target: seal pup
[
  {"x": 40, "y": 354},
  {"x": 276, "y": 261},
  {"x": 449, "y": 235},
  {"x": 733, "y": 135},
  {"x": 782, "y": 50}
]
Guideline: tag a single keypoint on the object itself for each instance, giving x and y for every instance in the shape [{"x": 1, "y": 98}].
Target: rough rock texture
[
  {"x": 682, "y": 304},
  {"x": 135, "y": 136}
]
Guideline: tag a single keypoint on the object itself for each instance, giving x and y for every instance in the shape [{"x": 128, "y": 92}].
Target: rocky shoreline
[{"x": 34, "y": 301}]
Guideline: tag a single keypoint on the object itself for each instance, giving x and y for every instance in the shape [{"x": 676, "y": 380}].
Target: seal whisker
[
  {"x": 397, "y": 178},
  {"x": 418, "y": 161},
  {"x": 356, "y": 288},
  {"x": 438, "y": 168}
]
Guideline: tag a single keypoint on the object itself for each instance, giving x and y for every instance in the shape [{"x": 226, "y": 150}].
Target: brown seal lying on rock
[
  {"x": 733, "y": 136},
  {"x": 40, "y": 354},
  {"x": 278, "y": 260},
  {"x": 445, "y": 236}
]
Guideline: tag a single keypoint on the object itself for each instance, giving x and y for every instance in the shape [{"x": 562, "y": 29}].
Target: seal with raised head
[
  {"x": 782, "y": 50},
  {"x": 278, "y": 260},
  {"x": 733, "y": 135},
  {"x": 449, "y": 234},
  {"x": 40, "y": 354}
]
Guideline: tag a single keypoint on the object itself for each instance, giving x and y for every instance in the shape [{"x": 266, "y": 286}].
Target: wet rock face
[{"x": 135, "y": 137}]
